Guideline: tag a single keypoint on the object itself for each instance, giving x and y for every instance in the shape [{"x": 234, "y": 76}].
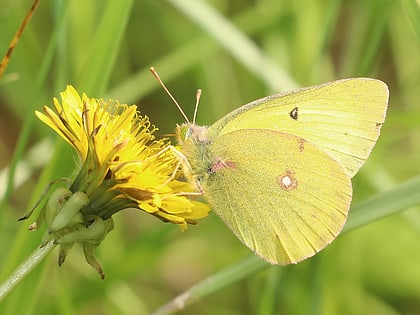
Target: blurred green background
[{"x": 236, "y": 51}]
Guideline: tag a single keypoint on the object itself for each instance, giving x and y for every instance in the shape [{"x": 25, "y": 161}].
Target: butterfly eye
[
  {"x": 185, "y": 133},
  {"x": 188, "y": 133}
]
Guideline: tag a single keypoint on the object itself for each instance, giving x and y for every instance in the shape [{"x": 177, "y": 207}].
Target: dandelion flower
[{"x": 123, "y": 166}]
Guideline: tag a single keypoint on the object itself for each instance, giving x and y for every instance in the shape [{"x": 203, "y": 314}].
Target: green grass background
[{"x": 236, "y": 51}]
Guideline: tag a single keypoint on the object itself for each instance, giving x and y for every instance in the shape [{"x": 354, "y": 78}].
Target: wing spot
[
  {"x": 287, "y": 181},
  {"x": 301, "y": 144},
  {"x": 294, "y": 113},
  {"x": 220, "y": 164}
]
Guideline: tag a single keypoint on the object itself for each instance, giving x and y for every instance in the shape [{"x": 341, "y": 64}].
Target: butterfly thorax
[{"x": 194, "y": 143}]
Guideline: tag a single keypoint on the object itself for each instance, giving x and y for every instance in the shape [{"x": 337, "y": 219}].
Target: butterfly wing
[
  {"x": 343, "y": 117},
  {"x": 282, "y": 196}
]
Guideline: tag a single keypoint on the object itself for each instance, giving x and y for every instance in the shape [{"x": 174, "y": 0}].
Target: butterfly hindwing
[{"x": 281, "y": 195}]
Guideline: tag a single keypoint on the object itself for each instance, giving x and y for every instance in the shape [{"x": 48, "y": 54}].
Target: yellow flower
[{"x": 123, "y": 166}]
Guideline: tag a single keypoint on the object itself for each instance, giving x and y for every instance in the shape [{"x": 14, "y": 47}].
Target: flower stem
[{"x": 24, "y": 269}]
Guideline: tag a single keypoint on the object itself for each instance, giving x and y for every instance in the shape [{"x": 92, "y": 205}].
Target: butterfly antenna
[
  {"x": 197, "y": 100},
  {"x": 156, "y": 75},
  {"x": 13, "y": 43}
]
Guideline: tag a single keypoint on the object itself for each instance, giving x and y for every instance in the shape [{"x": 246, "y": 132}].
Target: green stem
[
  {"x": 213, "y": 283},
  {"x": 24, "y": 269}
]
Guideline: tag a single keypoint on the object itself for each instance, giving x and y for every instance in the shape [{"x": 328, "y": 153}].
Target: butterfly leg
[{"x": 186, "y": 166}]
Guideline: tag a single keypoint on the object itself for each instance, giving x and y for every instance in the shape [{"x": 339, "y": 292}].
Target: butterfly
[{"x": 278, "y": 170}]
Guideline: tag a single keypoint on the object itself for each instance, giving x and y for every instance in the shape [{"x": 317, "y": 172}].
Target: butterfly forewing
[{"x": 343, "y": 117}]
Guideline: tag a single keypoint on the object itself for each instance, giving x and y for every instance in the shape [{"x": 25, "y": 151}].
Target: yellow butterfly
[{"x": 278, "y": 170}]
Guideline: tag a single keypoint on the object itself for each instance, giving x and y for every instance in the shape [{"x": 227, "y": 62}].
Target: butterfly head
[{"x": 190, "y": 132}]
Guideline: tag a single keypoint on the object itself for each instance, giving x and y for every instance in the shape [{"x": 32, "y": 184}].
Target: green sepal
[
  {"x": 69, "y": 212},
  {"x": 43, "y": 195},
  {"x": 90, "y": 234},
  {"x": 88, "y": 249},
  {"x": 55, "y": 203},
  {"x": 94, "y": 232},
  {"x": 63, "y": 252}
]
